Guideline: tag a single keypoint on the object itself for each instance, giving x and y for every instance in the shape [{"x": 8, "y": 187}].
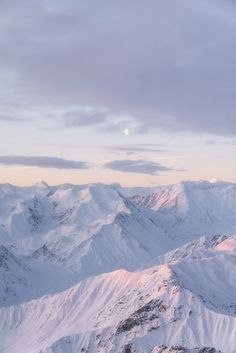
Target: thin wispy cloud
[
  {"x": 137, "y": 166},
  {"x": 130, "y": 149},
  {"x": 43, "y": 162}
]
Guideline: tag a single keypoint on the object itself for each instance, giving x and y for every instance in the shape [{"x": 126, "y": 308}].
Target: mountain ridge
[{"x": 101, "y": 268}]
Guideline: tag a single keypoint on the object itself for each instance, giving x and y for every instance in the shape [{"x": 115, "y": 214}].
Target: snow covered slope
[
  {"x": 191, "y": 208},
  {"x": 101, "y": 268},
  {"x": 14, "y": 276},
  {"x": 170, "y": 304},
  {"x": 89, "y": 229}
]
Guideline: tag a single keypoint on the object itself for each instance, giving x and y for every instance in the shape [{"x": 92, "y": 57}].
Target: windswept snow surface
[
  {"x": 101, "y": 268},
  {"x": 191, "y": 209}
]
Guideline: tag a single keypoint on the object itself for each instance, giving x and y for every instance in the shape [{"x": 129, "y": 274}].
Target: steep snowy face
[
  {"x": 192, "y": 208},
  {"x": 211, "y": 277},
  {"x": 14, "y": 277},
  {"x": 89, "y": 229},
  {"x": 229, "y": 245},
  {"x": 161, "y": 309},
  {"x": 22, "y": 212},
  {"x": 28, "y": 215}
]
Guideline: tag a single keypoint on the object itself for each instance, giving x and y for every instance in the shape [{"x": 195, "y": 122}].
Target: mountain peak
[{"x": 41, "y": 185}]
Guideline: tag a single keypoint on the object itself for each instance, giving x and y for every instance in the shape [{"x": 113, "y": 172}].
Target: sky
[{"x": 139, "y": 92}]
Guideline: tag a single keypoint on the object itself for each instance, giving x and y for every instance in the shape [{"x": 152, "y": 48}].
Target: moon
[{"x": 126, "y": 132}]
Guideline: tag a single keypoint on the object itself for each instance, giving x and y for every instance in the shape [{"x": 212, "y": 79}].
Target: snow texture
[{"x": 101, "y": 268}]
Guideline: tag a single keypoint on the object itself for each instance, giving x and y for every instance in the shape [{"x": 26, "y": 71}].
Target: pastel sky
[{"x": 140, "y": 92}]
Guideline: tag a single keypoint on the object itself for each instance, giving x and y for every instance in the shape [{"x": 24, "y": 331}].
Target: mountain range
[{"x": 107, "y": 269}]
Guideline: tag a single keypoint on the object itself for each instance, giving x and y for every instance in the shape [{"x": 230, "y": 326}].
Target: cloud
[
  {"x": 169, "y": 64},
  {"x": 137, "y": 148},
  {"x": 116, "y": 124},
  {"x": 137, "y": 166},
  {"x": 43, "y": 162},
  {"x": 10, "y": 119},
  {"x": 84, "y": 118}
]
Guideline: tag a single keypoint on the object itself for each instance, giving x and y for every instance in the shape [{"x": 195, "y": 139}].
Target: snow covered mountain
[
  {"x": 191, "y": 208},
  {"x": 13, "y": 276},
  {"x": 101, "y": 268}
]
